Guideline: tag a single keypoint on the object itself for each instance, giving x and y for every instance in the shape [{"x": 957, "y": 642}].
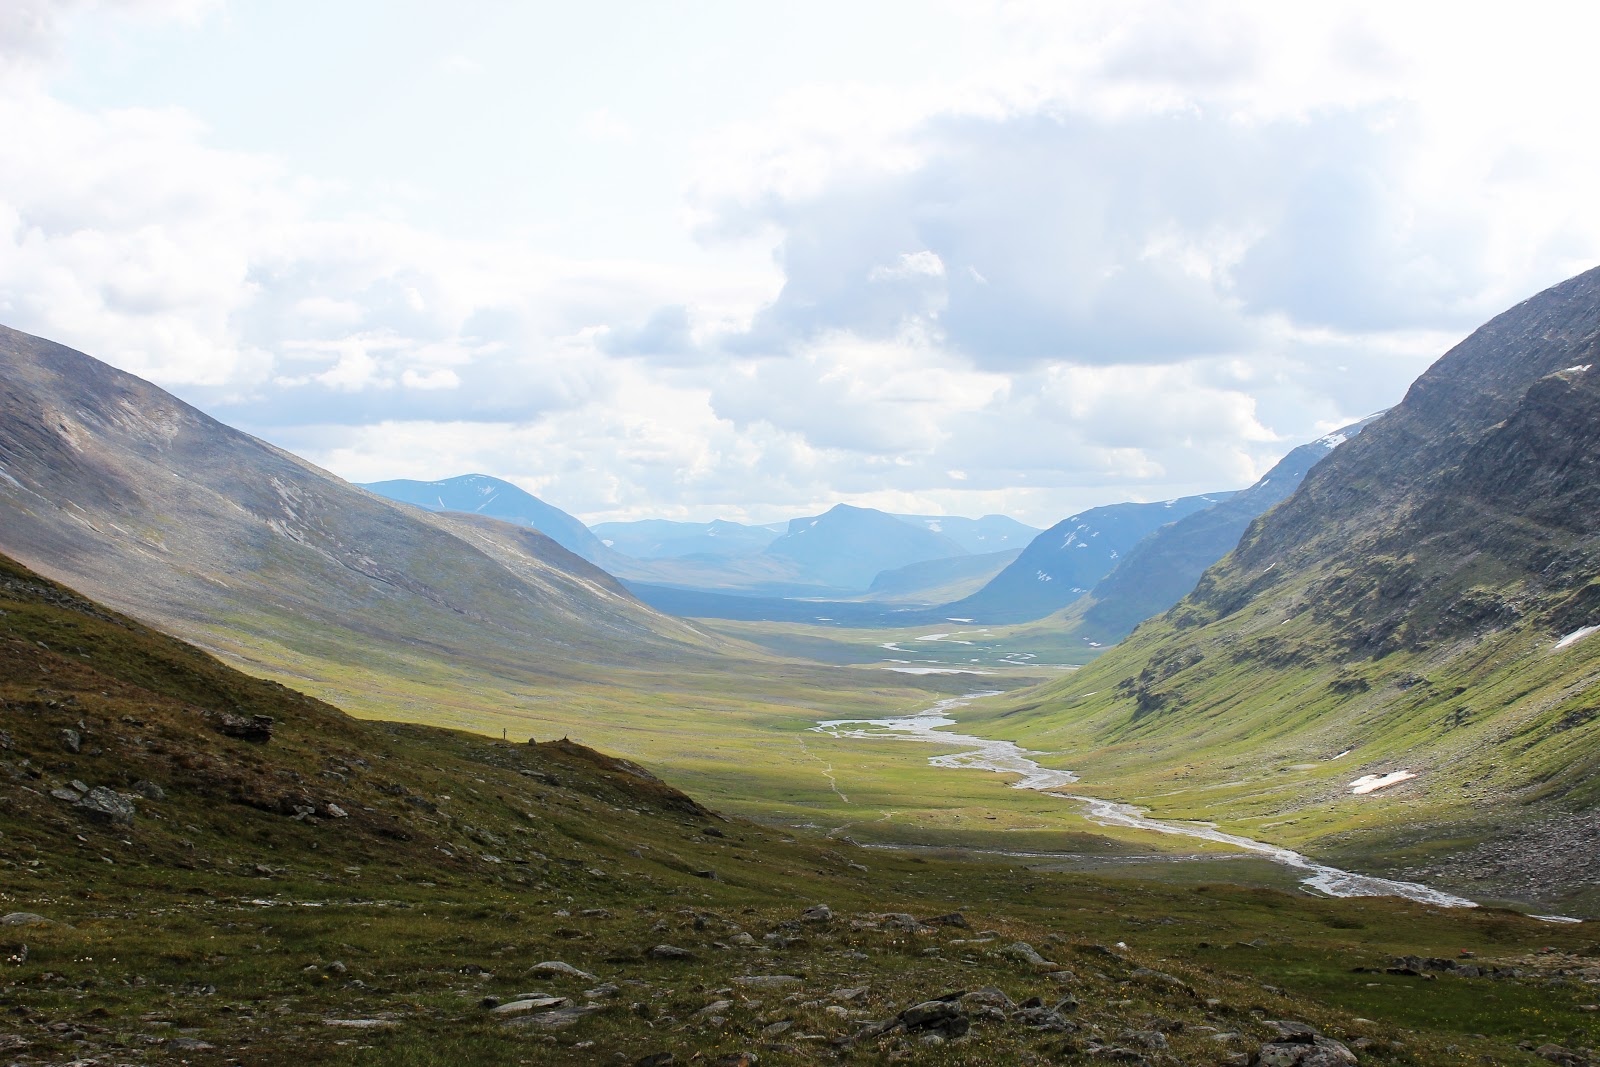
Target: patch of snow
[
  {"x": 1575, "y": 636},
  {"x": 935, "y": 526},
  {"x": 1041, "y": 576},
  {"x": 1369, "y": 783},
  {"x": 1556, "y": 918},
  {"x": 1333, "y": 440},
  {"x": 933, "y": 637},
  {"x": 1343, "y": 754},
  {"x": 934, "y": 670},
  {"x": 1580, "y": 368},
  {"x": 5, "y": 477},
  {"x": 608, "y": 542},
  {"x": 958, "y": 620}
]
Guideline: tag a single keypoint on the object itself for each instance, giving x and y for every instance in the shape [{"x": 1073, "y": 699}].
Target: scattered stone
[
  {"x": 527, "y": 1004},
  {"x": 1023, "y": 952},
  {"x": 670, "y": 952},
  {"x": 25, "y": 918},
  {"x": 189, "y": 1044},
  {"x": 819, "y": 913},
  {"x": 600, "y": 992},
  {"x": 767, "y": 981},
  {"x": 655, "y": 1059},
  {"x": 1043, "y": 1019},
  {"x": 149, "y": 790},
  {"x": 107, "y": 805},
  {"x": 1153, "y": 1040},
  {"x": 711, "y": 875},
  {"x": 1159, "y": 976},
  {"x": 257, "y": 728},
  {"x": 557, "y": 967},
  {"x": 1562, "y": 1056},
  {"x": 1300, "y": 1045},
  {"x": 559, "y": 1019},
  {"x": 71, "y": 741},
  {"x": 941, "y": 1017},
  {"x": 850, "y": 993},
  {"x": 774, "y": 1029},
  {"x": 336, "y": 812},
  {"x": 989, "y": 997},
  {"x": 361, "y": 1024}
]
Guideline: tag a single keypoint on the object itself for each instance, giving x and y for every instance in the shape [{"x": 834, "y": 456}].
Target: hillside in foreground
[{"x": 202, "y": 867}]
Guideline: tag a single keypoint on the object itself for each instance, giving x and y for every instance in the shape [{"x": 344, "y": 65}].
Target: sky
[{"x": 748, "y": 260}]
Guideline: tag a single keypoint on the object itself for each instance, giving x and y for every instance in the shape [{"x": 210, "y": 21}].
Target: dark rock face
[
  {"x": 107, "y": 806},
  {"x": 257, "y": 728},
  {"x": 1490, "y": 454}
]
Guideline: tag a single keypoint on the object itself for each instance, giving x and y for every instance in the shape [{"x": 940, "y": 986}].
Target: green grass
[{"x": 464, "y": 861}]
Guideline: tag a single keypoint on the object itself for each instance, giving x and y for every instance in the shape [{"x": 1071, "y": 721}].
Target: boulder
[{"x": 108, "y": 806}]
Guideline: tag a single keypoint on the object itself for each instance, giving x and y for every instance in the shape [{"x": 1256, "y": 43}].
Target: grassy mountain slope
[
  {"x": 183, "y": 885},
  {"x": 1404, "y": 611},
  {"x": 437, "y": 618},
  {"x": 158, "y": 509}
]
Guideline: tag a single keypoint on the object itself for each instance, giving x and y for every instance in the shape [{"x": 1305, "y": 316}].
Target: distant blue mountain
[
  {"x": 480, "y": 494},
  {"x": 667, "y": 539},
  {"x": 847, "y": 547},
  {"x": 1163, "y": 568},
  {"x": 1067, "y": 560},
  {"x": 992, "y": 533}
]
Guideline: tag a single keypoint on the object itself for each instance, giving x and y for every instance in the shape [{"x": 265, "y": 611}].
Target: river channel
[{"x": 1003, "y": 757}]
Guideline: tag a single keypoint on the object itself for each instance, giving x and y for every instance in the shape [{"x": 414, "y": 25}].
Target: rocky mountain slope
[
  {"x": 1065, "y": 562},
  {"x": 203, "y": 868},
  {"x": 479, "y": 494},
  {"x": 1415, "y": 617},
  {"x": 1161, "y": 570},
  {"x": 165, "y": 513}
]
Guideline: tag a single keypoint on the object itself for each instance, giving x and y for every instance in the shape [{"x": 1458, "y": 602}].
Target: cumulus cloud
[
  {"x": 1048, "y": 236},
  {"x": 1136, "y": 249}
]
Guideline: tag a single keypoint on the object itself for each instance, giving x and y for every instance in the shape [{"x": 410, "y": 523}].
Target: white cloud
[{"x": 1090, "y": 251}]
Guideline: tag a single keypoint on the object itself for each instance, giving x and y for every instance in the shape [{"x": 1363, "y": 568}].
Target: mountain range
[
  {"x": 160, "y": 511},
  {"x": 1414, "y": 619}
]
